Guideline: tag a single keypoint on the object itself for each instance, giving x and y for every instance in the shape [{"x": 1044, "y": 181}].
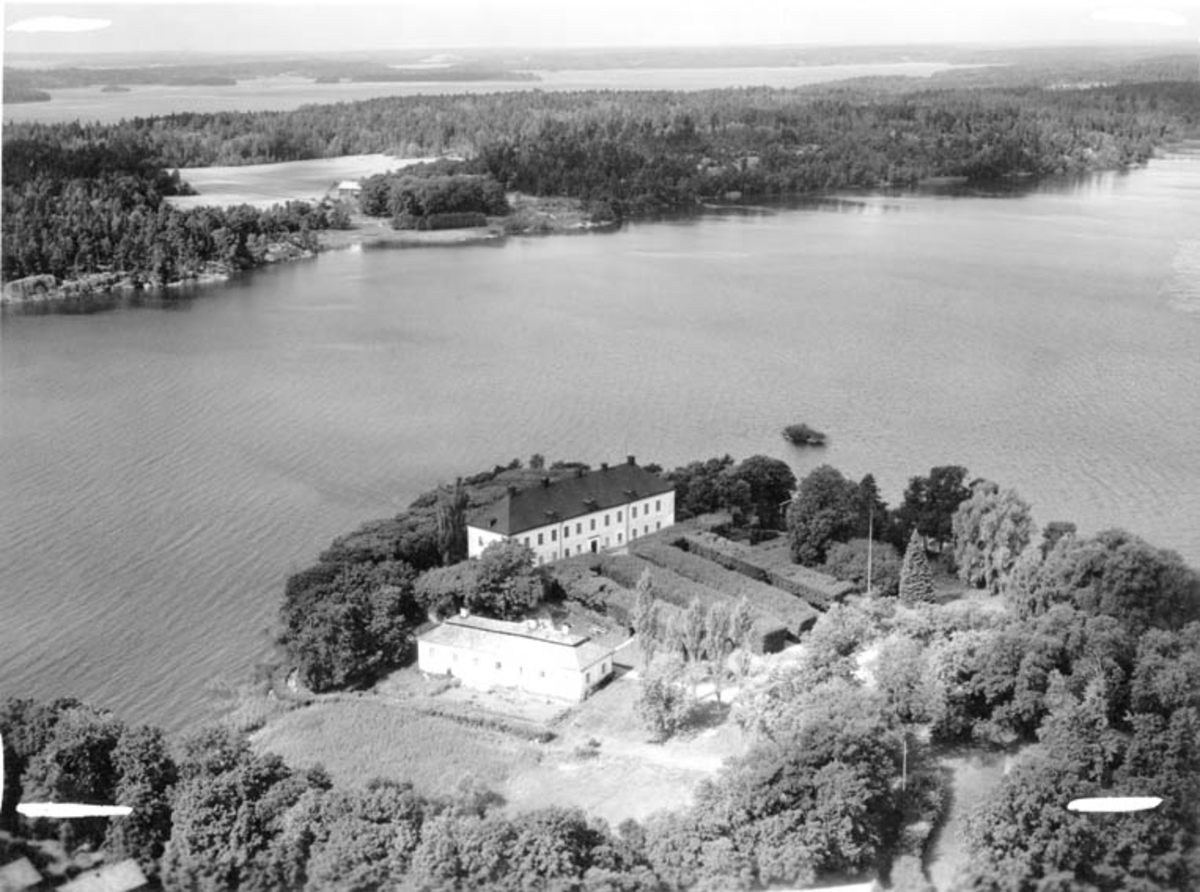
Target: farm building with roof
[
  {"x": 592, "y": 511},
  {"x": 532, "y": 656}
]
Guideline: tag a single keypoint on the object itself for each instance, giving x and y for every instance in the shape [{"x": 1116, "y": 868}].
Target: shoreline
[{"x": 530, "y": 216}]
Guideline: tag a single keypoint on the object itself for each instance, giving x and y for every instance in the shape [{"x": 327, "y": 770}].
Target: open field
[
  {"x": 263, "y": 185},
  {"x": 626, "y": 776},
  {"x": 358, "y": 739},
  {"x": 600, "y": 759}
]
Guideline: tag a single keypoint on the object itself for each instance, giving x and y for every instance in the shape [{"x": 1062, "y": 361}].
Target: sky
[{"x": 220, "y": 25}]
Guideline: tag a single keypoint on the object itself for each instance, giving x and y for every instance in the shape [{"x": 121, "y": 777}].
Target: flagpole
[{"x": 870, "y": 543}]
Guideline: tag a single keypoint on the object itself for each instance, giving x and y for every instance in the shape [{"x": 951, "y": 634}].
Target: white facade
[
  {"x": 609, "y": 528},
  {"x": 487, "y": 653}
]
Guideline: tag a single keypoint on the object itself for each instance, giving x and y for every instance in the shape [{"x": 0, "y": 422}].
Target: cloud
[
  {"x": 58, "y": 24},
  {"x": 1141, "y": 15}
]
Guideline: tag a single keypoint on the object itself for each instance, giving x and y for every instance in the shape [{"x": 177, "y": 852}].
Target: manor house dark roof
[{"x": 558, "y": 501}]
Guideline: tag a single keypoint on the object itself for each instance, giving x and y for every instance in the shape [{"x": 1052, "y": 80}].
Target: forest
[
  {"x": 87, "y": 198},
  {"x": 1089, "y": 672}
]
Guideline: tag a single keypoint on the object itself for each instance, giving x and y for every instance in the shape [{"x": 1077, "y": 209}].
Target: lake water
[
  {"x": 164, "y": 467},
  {"x": 285, "y": 92}
]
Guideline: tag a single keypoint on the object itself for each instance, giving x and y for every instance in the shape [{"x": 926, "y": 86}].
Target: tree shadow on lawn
[{"x": 705, "y": 715}]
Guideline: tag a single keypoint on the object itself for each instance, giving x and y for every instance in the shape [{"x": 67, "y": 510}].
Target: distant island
[{"x": 803, "y": 435}]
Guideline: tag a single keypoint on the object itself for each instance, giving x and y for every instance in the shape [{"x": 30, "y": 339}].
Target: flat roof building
[{"x": 533, "y": 656}]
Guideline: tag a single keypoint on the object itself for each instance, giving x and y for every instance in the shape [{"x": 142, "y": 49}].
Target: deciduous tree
[
  {"x": 930, "y": 502},
  {"x": 991, "y": 529},
  {"x": 824, "y": 511},
  {"x": 771, "y": 484}
]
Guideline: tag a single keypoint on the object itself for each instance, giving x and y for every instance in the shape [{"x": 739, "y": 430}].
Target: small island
[{"x": 803, "y": 435}]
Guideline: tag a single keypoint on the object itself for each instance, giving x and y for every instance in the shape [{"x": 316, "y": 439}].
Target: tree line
[
  {"x": 66, "y": 185},
  {"x": 78, "y": 208}
]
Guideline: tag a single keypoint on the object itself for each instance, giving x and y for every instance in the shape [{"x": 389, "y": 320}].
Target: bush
[{"x": 848, "y": 561}]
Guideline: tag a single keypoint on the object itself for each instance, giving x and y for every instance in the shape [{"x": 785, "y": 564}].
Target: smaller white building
[
  {"x": 532, "y": 656},
  {"x": 349, "y": 189}
]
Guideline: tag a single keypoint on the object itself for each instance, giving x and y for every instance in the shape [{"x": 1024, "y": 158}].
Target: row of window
[
  {"x": 587, "y": 676},
  {"x": 592, "y": 525}
]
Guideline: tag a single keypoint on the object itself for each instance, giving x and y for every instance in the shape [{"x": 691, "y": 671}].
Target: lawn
[
  {"x": 360, "y": 739},
  {"x": 626, "y": 776}
]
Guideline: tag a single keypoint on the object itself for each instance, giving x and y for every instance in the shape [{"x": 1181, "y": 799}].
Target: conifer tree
[{"x": 916, "y": 579}]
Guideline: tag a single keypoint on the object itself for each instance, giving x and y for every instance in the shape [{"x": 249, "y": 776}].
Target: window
[
  {"x": 542, "y": 674},
  {"x": 541, "y": 560},
  {"x": 526, "y": 540},
  {"x": 647, "y": 508},
  {"x": 658, "y": 504},
  {"x": 579, "y": 549},
  {"x": 587, "y": 678},
  {"x": 593, "y": 523},
  {"x": 481, "y": 540},
  {"x": 634, "y": 515},
  {"x": 540, "y": 535},
  {"x": 618, "y": 517},
  {"x": 633, "y": 534},
  {"x": 554, "y": 535},
  {"x": 618, "y": 538},
  {"x": 646, "y": 528},
  {"x": 658, "y": 524},
  {"x": 606, "y": 519},
  {"x": 578, "y": 529},
  {"x": 497, "y": 664},
  {"x": 566, "y": 530}
]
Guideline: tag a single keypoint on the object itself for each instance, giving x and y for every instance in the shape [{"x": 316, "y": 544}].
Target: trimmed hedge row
[
  {"x": 793, "y": 612},
  {"x": 818, "y": 589},
  {"x": 769, "y": 635}
]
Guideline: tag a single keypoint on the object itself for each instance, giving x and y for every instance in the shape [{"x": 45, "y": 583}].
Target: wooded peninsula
[{"x": 87, "y": 203}]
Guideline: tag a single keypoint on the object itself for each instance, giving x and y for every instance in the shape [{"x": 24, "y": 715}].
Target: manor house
[{"x": 593, "y": 510}]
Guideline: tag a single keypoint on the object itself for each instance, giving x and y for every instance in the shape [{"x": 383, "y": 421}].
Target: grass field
[
  {"x": 388, "y": 733},
  {"x": 360, "y": 739},
  {"x": 263, "y": 185}
]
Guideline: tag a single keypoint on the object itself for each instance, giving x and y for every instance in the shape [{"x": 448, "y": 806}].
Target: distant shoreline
[{"x": 531, "y": 216}]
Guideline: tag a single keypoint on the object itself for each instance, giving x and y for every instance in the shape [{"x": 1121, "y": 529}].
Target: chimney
[
  {"x": 630, "y": 460},
  {"x": 603, "y": 466},
  {"x": 546, "y": 482}
]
